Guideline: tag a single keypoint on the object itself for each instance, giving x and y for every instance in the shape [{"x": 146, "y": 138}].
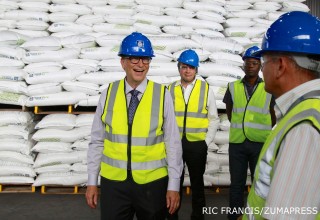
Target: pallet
[
  {"x": 7, "y": 107},
  {"x": 17, "y": 188},
  {"x": 63, "y": 109},
  {"x": 58, "y": 189}
]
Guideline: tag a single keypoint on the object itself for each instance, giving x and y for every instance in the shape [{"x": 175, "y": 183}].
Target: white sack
[
  {"x": 15, "y": 118},
  {"x": 58, "y": 168},
  {"x": 62, "y": 98},
  {"x": 68, "y": 179},
  {"x": 62, "y": 16},
  {"x": 57, "y": 121},
  {"x": 222, "y": 137},
  {"x": 42, "y": 43},
  {"x": 6, "y": 62},
  {"x": 64, "y": 26},
  {"x": 87, "y": 65},
  {"x": 22, "y": 15},
  {"x": 16, "y": 179},
  {"x": 90, "y": 19},
  {"x": 52, "y": 147},
  {"x": 43, "y": 160},
  {"x": 11, "y": 74},
  {"x": 34, "y": 6},
  {"x": 16, "y": 157},
  {"x": 11, "y": 53},
  {"x": 12, "y": 98},
  {"x": 53, "y": 77},
  {"x": 99, "y": 53},
  {"x": 12, "y": 38},
  {"x": 44, "y": 88},
  {"x": 78, "y": 41},
  {"x": 113, "y": 28},
  {"x": 71, "y": 8},
  {"x": 89, "y": 101},
  {"x": 50, "y": 56},
  {"x": 101, "y": 77},
  {"x": 17, "y": 145},
  {"x": 213, "y": 69},
  {"x": 85, "y": 87},
  {"x": 32, "y": 25},
  {"x": 56, "y": 135}
]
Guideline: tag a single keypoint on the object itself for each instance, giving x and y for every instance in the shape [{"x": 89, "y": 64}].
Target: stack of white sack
[
  {"x": 13, "y": 89},
  {"x": 247, "y": 21},
  {"x": 16, "y": 158},
  {"x": 26, "y": 17},
  {"x": 62, "y": 141}
]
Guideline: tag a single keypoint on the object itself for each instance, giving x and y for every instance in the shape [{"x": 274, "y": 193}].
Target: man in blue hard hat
[
  {"x": 197, "y": 118},
  {"x": 250, "y": 111},
  {"x": 287, "y": 178},
  {"x": 135, "y": 143}
]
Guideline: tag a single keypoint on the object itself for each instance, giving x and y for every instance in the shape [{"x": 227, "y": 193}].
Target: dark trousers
[
  {"x": 195, "y": 157},
  {"x": 120, "y": 200},
  {"x": 240, "y": 156}
]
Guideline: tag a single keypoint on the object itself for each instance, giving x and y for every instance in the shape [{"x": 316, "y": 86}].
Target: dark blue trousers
[{"x": 121, "y": 200}]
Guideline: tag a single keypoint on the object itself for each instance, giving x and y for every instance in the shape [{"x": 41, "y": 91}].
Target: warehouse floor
[{"x": 37, "y": 206}]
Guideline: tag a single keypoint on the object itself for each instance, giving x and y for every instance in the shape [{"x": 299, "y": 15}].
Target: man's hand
[
  {"x": 92, "y": 196},
  {"x": 173, "y": 201}
]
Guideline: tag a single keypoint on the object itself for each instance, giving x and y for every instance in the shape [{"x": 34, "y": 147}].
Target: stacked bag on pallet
[
  {"x": 61, "y": 147},
  {"x": 16, "y": 157}
]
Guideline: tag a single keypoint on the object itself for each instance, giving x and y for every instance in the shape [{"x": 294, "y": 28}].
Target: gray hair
[{"x": 307, "y": 62}]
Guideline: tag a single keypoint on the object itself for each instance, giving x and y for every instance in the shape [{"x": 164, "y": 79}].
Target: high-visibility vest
[
  {"x": 145, "y": 139},
  {"x": 307, "y": 110},
  {"x": 192, "y": 118},
  {"x": 250, "y": 118}
]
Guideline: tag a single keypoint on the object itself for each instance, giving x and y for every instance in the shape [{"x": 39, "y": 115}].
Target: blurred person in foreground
[
  {"x": 135, "y": 143},
  {"x": 250, "y": 110},
  {"x": 198, "y": 121},
  {"x": 287, "y": 177}
]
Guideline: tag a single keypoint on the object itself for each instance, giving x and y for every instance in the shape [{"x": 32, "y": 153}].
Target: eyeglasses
[
  {"x": 253, "y": 63},
  {"x": 264, "y": 62},
  {"x": 135, "y": 60}
]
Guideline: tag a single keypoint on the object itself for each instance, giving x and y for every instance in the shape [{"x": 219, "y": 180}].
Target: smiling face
[{"x": 135, "y": 72}]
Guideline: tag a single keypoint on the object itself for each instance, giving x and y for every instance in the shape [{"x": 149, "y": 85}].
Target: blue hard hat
[
  {"x": 189, "y": 57},
  {"x": 136, "y": 44},
  {"x": 294, "y": 32},
  {"x": 250, "y": 53}
]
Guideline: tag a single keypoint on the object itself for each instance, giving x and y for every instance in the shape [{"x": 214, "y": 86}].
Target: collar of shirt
[
  {"x": 191, "y": 84},
  {"x": 187, "y": 91},
  {"x": 141, "y": 87},
  {"x": 284, "y": 102},
  {"x": 259, "y": 80}
]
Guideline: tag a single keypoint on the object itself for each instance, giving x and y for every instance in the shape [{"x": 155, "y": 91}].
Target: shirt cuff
[
  {"x": 92, "y": 180},
  {"x": 174, "y": 184}
]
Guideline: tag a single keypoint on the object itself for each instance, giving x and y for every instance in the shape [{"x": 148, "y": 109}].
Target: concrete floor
[{"x": 37, "y": 206}]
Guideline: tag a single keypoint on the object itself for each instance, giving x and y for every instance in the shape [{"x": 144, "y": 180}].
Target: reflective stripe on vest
[
  {"x": 250, "y": 119},
  {"x": 148, "y": 155},
  {"x": 307, "y": 110},
  {"x": 196, "y": 121}
]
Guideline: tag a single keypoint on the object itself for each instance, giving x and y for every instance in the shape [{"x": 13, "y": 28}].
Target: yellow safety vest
[
  {"x": 250, "y": 118},
  {"x": 148, "y": 154},
  {"x": 307, "y": 110},
  {"x": 192, "y": 118}
]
